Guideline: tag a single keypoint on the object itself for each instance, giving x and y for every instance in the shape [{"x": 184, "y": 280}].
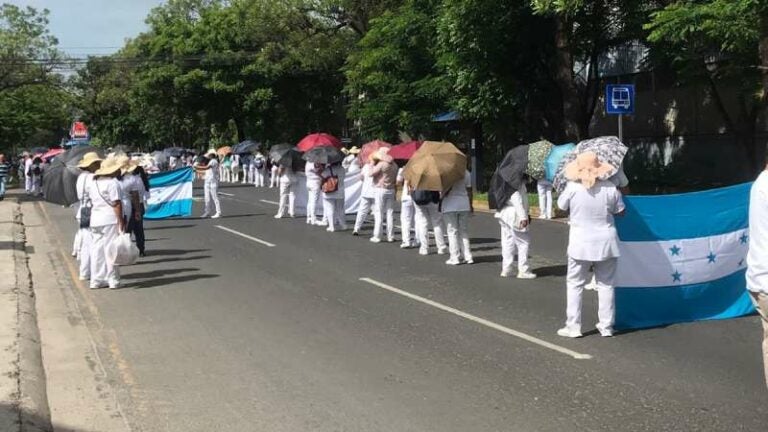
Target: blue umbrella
[
  {"x": 247, "y": 146},
  {"x": 555, "y": 156}
]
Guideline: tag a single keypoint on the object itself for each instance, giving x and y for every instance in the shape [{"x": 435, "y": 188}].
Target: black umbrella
[
  {"x": 176, "y": 152},
  {"x": 60, "y": 177},
  {"x": 39, "y": 150},
  {"x": 508, "y": 177},
  {"x": 286, "y": 155},
  {"x": 324, "y": 155},
  {"x": 246, "y": 146}
]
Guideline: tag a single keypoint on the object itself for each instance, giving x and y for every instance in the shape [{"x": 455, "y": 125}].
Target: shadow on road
[
  {"x": 558, "y": 270},
  {"x": 158, "y": 273},
  {"x": 488, "y": 259},
  {"x": 160, "y": 282},
  {"x": 483, "y": 240},
  {"x": 169, "y": 260},
  {"x": 169, "y": 227},
  {"x": 163, "y": 252}
]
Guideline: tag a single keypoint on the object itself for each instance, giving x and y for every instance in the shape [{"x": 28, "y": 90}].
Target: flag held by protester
[
  {"x": 170, "y": 194},
  {"x": 683, "y": 258}
]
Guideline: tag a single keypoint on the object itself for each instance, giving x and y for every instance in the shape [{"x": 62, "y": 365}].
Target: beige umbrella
[
  {"x": 223, "y": 151},
  {"x": 436, "y": 166}
]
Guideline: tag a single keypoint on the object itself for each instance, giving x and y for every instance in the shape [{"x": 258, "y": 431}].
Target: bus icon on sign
[{"x": 620, "y": 99}]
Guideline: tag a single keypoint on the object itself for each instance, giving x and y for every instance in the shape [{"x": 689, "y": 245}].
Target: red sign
[{"x": 79, "y": 131}]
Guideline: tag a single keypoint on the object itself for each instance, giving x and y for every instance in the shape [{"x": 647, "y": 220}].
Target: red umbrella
[
  {"x": 318, "y": 140},
  {"x": 406, "y": 150},
  {"x": 52, "y": 152},
  {"x": 371, "y": 148}
]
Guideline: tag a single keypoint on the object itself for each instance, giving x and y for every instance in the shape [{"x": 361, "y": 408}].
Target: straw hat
[
  {"x": 110, "y": 166},
  {"x": 382, "y": 154},
  {"x": 354, "y": 150},
  {"x": 211, "y": 152},
  {"x": 130, "y": 166},
  {"x": 586, "y": 169},
  {"x": 88, "y": 160}
]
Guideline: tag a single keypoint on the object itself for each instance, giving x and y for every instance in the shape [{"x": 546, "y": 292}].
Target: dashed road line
[{"x": 246, "y": 236}]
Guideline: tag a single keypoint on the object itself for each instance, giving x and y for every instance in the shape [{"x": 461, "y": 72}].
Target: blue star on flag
[
  {"x": 675, "y": 250},
  {"x": 743, "y": 239},
  {"x": 712, "y": 257},
  {"x": 677, "y": 276}
]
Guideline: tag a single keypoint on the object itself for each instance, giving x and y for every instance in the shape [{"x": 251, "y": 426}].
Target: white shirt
[
  {"x": 757, "y": 258},
  {"x": 288, "y": 176},
  {"x": 27, "y": 166},
  {"x": 593, "y": 234},
  {"x": 339, "y": 172},
  {"x": 173, "y": 162},
  {"x": 127, "y": 185},
  {"x": 313, "y": 178},
  {"x": 406, "y": 194},
  {"x": 516, "y": 210},
  {"x": 457, "y": 199},
  {"x": 83, "y": 180},
  {"x": 212, "y": 173},
  {"x": 368, "y": 189},
  {"x": 103, "y": 193}
]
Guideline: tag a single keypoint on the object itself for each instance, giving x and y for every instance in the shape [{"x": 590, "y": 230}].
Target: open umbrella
[
  {"x": 318, "y": 140},
  {"x": 223, "y": 151},
  {"x": 246, "y": 146},
  {"x": 39, "y": 150},
  {"x": 436, "y": 166},
  {"x": 508, "y": 176},
  {"x": 555, "y": 156},
  {"x": 60, "y": 177},
  {"x": 176, "y": 152},
  {"x": 609, "y": 149},
  {"x": 371, "y": 148},
  {"x": 52, "y": 153},
  {"x": 537, "y": 157},
  {"x": 324, "y": 155},
  {"x": 286, "y": 155},
  {"x": 406, "y": 150}
]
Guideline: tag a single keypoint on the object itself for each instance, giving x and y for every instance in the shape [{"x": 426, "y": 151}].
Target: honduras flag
[
  {"x": 170, "y": 194},
  {"x": 683, "y": 258}
]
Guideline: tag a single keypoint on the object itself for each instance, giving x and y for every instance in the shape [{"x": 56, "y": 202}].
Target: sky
[{"x": 91, "y": 27}]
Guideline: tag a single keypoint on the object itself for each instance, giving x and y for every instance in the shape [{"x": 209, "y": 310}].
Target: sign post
[{"x": 620, "y": 101}]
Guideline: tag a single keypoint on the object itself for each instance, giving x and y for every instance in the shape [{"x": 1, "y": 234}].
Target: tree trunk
[{"x": 565, "y": 80}]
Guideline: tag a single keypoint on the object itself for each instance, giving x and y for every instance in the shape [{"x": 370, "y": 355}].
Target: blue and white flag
[
  {"x": 683, "y": 258},
  {"x": 170, "y": 194}
]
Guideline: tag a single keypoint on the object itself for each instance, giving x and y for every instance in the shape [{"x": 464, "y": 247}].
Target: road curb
[{"x": 34, "y": 412}]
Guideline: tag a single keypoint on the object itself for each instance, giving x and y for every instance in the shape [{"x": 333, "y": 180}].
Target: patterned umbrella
[
  {"x": 537, "y": 157},
  {"x": 508, "y": 176},
  {"x": 609, "y": 149},
  {"x": 405, "y": 151},
  {"x": 318, "y": 140},
  {"x": 371, "y": 148},
  {"x": 437, "y": 166}
]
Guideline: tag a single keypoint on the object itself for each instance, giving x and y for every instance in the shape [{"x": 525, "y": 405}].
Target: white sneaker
[
  {"x": 570, "y": 333},
  {"x": 330, "y": 229},
  {"x": 204, "y": 215},
  {"x": 391, "y": 240},
  {"x": 216, "y": 216},
  {"x": 506, "y": 273},
  {"x": 453, "y": 262},
  {"x": 423, "y": 251},
  {"x": 278, "y": 216},
  {"x": 321, "y": 223},
  {"x": 605, "y": 332},
  {"x": 375, "y": 240},
  {"x": 442, "y": 251},
  {"x": 405, "y": 246},
  {"x": 526, "y": 275},
  {"x": 84, "y": 278},
  {"x": 469, "y": 261}
]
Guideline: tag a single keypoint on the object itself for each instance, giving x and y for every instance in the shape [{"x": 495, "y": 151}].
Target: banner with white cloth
[
  {"x": 353, "y": 190},
  {"x": 683, "y": 258},
  {"x": 170, "y": 194}
]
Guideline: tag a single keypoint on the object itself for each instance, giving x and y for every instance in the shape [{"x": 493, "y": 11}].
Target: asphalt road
[{"x": 215, "y": 331}]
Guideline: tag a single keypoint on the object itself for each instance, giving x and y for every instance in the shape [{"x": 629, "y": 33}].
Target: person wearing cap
[
  {"x": 106, "y": 222},
  {"x": 83, "y": 239},
  {"x": 313, "y": 173},
  {"x": 211, "y": 184},
  {"x": 287, "y": 180},
  {"x": 456, "y": 206},
  {"x": 593, "y": 240},
  {"x": 384, "y": 173}
]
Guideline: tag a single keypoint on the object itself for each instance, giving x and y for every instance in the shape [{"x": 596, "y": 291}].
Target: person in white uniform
[
  {"x": 515, "y": 238},
  {"x": 333, "y": 201},
  {"x": 90, "y": 163},
  {"x": 287, "y": 192},
  {"x": 314, "y": 173},
  {"x": 274, "y": 179},
  {"x": 235, "y": 168},
  {"x": 210, "y": 185},
  {"x": 34, "y": 175},
  {"x": 428, "y": 214},
  {"x": 407, "y": 214},
  {"x": 28, "y": 174},
  {"x": 757, "y": 257},
  {"x": 260, "y": 170},
  {"x": 544, "y": 188},
  {"x": 367, "y": 198},
  {"x": 384, "y": 173},
  {"x": 106, "y": 222},
  {"x": 456, "y": 207},
  {"x": 593, "y": 240}
]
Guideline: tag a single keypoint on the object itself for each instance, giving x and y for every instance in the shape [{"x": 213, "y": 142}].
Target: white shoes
[
  {"x": 375, "y": 240},
  {"x": 453, "y": 262},
  {"x": 506, "y": 273},
  {"x": 204, "y": 215},
  {"x": 442, "y": 251},
  {"x": 469, "y": 261},
  {"x": 423, "y": 251},
  {"x": 569, "y": 333},
  {"x": 216, "y": 216},
  {"x": 278, "y": 216},
  {"x": 526, "y": 275}
]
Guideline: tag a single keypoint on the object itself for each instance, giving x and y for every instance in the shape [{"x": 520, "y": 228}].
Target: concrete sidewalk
[{"x": 23, "y": 400}]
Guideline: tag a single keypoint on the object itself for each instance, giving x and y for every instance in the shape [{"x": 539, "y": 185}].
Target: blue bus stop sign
[{"x": 620, "y": 99}]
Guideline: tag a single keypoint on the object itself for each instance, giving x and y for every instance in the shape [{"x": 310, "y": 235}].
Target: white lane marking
[
  {"x": 478, "y": 320},
  {"x": 226, "y": 194},
  {"x": 237, "y": 233},
  {"x": 270, "y": 202}
]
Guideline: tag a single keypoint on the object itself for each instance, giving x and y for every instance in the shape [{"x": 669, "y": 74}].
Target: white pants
[
  {"x": 313, "y": 196},
  {"x": 287, "y": 199},
  {"x": 457, "y": 224},
  {"x": 545, "y": 200},
  {"x": 578, "y": 271},
  {"x": 274, "y": 180},
  {"x": 76, "y": 242},
  {"x": 366, "y": 204},
  {"x": 211, "y": 191},
  {"x": 407, "y": 216},
  {"x": 334, "y": 213},
  {"x": 37, "y": 185},
  {"x": 261, "y": 178},
  {"x": 514, "y": 242},
  {"x": 427, "y": 215},
  {"x": 84, "y": 252},
  {"x": 102, "y": 271},
  {"x": 384, "y": 206},
  {"x": 28, "y": 183}
]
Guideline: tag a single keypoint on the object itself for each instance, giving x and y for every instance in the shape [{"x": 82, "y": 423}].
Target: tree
[{"x": 720, "y": 42}]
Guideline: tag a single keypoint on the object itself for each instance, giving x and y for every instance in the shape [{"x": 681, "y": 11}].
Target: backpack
[
  {"x": 425, "y": 197},
  {"x": 259, "y": 163},
  {"x": 331, "y": 183}
]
